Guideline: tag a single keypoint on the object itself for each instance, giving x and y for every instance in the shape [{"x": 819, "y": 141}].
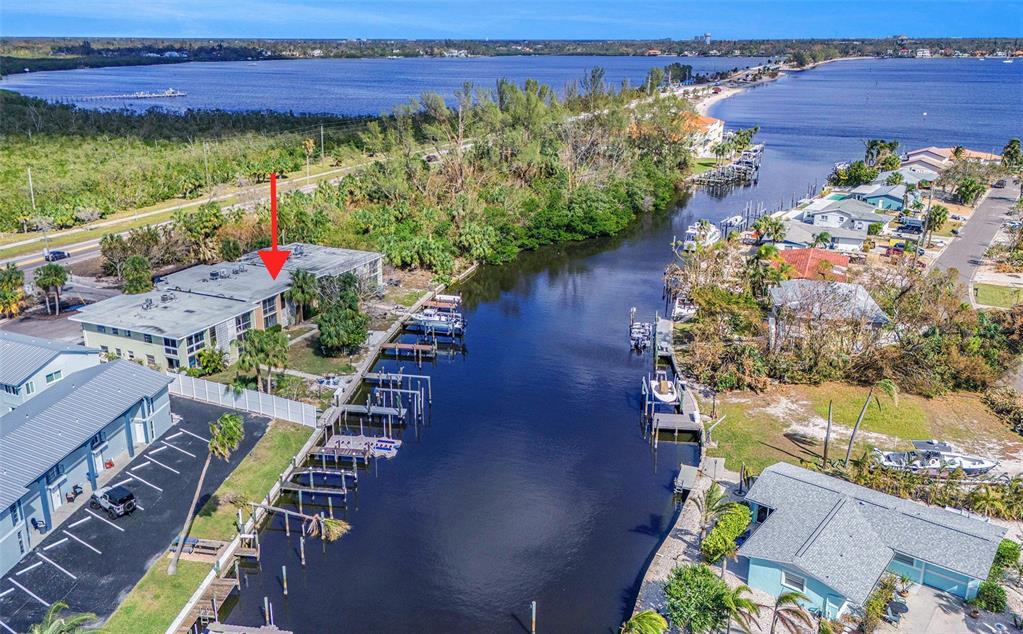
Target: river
[
  {"x": 334, "y": 86},
  {"x": 533, "y": 481}
]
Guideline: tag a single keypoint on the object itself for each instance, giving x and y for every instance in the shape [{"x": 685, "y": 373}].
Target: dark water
[
  {"x": 336, "y": 86},
  {"x": 533, "y": 481}
]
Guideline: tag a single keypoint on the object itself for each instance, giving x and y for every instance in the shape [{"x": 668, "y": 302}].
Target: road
[{"x": 967, "y": 252}]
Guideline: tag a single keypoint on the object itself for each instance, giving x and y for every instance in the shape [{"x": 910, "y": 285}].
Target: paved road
[{"x": 967, "y": 252}]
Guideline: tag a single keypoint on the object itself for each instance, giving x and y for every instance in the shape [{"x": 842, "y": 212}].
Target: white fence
[{"x": 245, "y": 400}]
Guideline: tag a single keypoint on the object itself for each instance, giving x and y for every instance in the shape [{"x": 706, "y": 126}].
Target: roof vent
[
  {"x": 214, "y": 275},
  {"x": 167, "y": 297},
  {"x": 148, "y": 304}
]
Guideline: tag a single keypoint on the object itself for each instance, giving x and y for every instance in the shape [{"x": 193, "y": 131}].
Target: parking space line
[
  {"x": 158, "y": 463},
  {"x": 206, "y": 440},
  {"x": 29, "y": 592},
  {"x": 173, "y": 435},
  {"x": 157, "y": 450},
  {"x": 139, "y": 466},
  {"x": 77, "y": 522},
  {"x": 148, "y": 483},
  {"x": 4, "y": 625},
  {"x": 27, "y": 568},
  {"x": 103, "y": 519},
  {"x": 83, "y": 542},
  {"x": 6, "y": 592},
  {"x": 139, "y": 506},
  {"x": 56, "y": 565},
  {"x": 55, "y": 544},
  {"x": 187, "y": 453},
  {"x": 121, "y": 483}
]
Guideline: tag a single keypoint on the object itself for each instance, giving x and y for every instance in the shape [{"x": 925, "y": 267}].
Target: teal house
[
  {"x": 833, "y": 541},
  {"x": 888, "y": 197}
]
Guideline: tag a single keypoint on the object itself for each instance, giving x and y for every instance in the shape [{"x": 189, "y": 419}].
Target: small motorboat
[
  {"x": 683, "y": 310},
  {"x": 438, "y": 321},
  {"x": 732, "y": 222},
  {"x": 700, "y": 234},
  {"x": 664, "y": 390},
  {"x": 385, "y": 447},
  {"x": 932, "y": 457},
  {"x": 640, "y": 334}
]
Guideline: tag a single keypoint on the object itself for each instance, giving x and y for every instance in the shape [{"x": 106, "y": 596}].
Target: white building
[{"x": 30, "y": 365}]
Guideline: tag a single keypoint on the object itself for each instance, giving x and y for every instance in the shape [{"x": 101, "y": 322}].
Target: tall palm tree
[
  {"x": 742, "y": 609},
  {"x": 54, "y": 623},
  {"x": 987, "y": 500},
  {"x": 885, "y": 385},
  {"x": 712, "y": 505},
  {"x": 645, "y": 622},
  {"x": 51, "y": 277},
  {"x": 770, "y": 228},
  {"x": 226, "y": 434},
  {"x": 276, "y": 352},
  {"x": 790, "y": 614},
  {"x": 252, "y": 354},
  {"x": 304, "y": 291},
  {"x": 821, "y": 240}
]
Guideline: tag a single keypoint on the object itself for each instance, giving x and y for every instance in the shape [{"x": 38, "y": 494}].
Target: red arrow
[{"x": 273, "y": 258}]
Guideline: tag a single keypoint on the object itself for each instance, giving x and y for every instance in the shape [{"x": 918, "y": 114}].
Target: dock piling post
[
  {"x": 284, "y": 578},
  {"x": 301, "y": 548},
  {"x": 532, "y": 621},
  {"x": 266, "y": 610},
  {"x": 237, "y": 575},
  {"x": 287, "y": 525},
  {"x": 330, "y": 505}
]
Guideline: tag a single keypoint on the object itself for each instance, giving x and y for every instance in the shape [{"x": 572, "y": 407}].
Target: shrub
[
  {"x": 991, "y": 597},
  {"x": 1005, "y": 403},
  {"x": 1008, "y": 553},
  {"x": 721, "y": 539},
  {"x": 696, "y": 599}
]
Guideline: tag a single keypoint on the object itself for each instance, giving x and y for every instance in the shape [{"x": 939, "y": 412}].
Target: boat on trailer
[{"x": 932, "y": 457}]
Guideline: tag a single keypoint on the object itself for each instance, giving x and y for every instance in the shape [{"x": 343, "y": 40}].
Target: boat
[
  {"x": 932, "y": 457},
  {"x": 438, "y": 320},
  {"x": 732, "y": 221},
  {"x": 683, "y": 310},
  {"x": 385, "y": 447},
  {"x": 448, "y": 299},
  {"x": 700, "y": 235},
  {"x": 640, "y": 334},
  {"x": 1006, "y": 61},
  {"x": 664, "y": 390}
]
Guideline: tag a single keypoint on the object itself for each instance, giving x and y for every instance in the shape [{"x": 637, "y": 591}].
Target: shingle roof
[
  {"x": 845, "y": 535},
  {"x": 39, "y": 433},
  {"x": 21, "y": 356},
  {"x": 853, "y": 208},
  {"x": 798, "y": 232},
  {"x": 822, "y": 299}
]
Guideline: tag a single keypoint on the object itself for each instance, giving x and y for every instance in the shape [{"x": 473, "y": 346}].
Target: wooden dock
[
  {"x": 205, "y": 610},
  {"x": 371, "y": 410},
  {"x": 417, "y": 351}
]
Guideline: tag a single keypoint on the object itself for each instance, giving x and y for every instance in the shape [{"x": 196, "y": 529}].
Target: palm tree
[
  {"x": 276, "y": 352},
  {"x": 226, "y": 433},
  {"x": 51, "y": 277},
  {"x": 327, "y": 528},
  {"x": 885, "y": 385},
  {"x": 790, "y": 614},
  {"x": 742, "y": 609},
  {"x": 645, "y": 622},
  {"x": 252, "y": 355},
  {"x": 304, "y": 291},
  {"x": 770, "y": 228},
  {"x": 12, "y": 281},
  {"x": 712, "y": 504},
  {"x": 987, "y": 500},
  {"x": 821, "y": 240},
  {"x": 54, "y": 623}
]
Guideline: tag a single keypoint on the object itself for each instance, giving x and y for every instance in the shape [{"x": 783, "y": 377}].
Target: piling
[
  {"x": 301, "y": 548},
  {"x": 284, "y": 579}
]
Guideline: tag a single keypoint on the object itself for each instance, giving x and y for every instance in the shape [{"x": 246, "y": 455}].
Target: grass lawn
[
  {"x": 946, "y": 229},
  {"x": 251, "y": 479},
  {"x": 1001, "y": 296},
  {"x": 305, "y": 356},
  {"x": 704, "y": 165},
  {"x": 156, "y": 599},
  {"x": 409, "y": 298},
  {"x": 788, "y": 424}
]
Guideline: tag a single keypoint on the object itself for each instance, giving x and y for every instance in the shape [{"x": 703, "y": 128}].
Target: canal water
[{"x": 533, "y": 481}]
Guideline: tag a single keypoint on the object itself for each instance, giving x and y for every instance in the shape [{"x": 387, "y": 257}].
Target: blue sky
[{"x": 569, "y": 19}]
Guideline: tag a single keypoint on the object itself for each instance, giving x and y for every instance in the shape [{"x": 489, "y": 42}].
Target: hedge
[{"x": 721, "y": 539}]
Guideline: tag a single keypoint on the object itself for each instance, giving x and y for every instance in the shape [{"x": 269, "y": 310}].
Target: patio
[{"x": 932, "y": 610}]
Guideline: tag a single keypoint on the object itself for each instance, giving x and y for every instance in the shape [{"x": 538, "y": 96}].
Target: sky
[{"x": 512, "y": 19}]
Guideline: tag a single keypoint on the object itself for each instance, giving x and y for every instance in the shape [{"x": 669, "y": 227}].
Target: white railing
[{"x": 245, "y": 400}]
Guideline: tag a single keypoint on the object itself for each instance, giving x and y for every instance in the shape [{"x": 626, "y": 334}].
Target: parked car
[
  {"x": 116, "y": 501},
  {"x": 1000, "y": 183},
  {"x": 53, "y": 256},
  {"x": 957, "y": 217},
  {"x": 955, "y": 232}
]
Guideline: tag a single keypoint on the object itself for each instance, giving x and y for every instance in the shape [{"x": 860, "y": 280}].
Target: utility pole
[
  {"x": 31, "y": 190},
  {"x": 323, "y": 154},
  {"x": 206, "y": 163}
]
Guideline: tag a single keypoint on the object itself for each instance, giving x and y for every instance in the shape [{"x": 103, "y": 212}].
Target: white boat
[
  {"x": 385, "y": 447},
  {"x": 700, "y": 234},
  {"x": 448, "y": 299},
  {"x": 683, "y": 310},
  {"x": 437, "y": 320},
  {"x": 732, "y": 221},
  {"x": 640, "y": 334},
  {"x": 1006, "y": 61},
  {"x": 932, "y": 457},
  {"x": 664, "y": 390}
]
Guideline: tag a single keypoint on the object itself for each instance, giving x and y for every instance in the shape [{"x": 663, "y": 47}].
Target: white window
[
  {"x": 30, "y": 387},
  {"x": 54, "y": 376},
  {"x": 793, "y": 581}
]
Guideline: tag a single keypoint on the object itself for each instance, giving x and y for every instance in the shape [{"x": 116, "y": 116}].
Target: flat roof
[
  {"x": 248, "y": 280},
  {"x": 161, "y": 313}
]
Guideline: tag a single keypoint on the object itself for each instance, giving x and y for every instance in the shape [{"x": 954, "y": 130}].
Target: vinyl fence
[{"x": 245, "y": 400}]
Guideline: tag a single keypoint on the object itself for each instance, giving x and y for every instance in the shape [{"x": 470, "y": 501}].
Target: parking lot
[{"x": 92, "y": 561}]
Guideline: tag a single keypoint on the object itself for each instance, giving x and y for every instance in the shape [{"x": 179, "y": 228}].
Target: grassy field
[
  {"x": 305, "y": 356},
  {"x": 788, "y": 424},
  {"x": 946, "y": 229},
  {"x": 1001, "y": 296},
  {"x": 251, "y": 480},
  {"x": 157, "y": 598},
  {"x": 704, "y": 165}
]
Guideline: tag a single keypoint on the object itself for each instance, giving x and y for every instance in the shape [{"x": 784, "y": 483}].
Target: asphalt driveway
[
  {"x": 966, "y": 253},
  {"x": 91, "y": 562}
]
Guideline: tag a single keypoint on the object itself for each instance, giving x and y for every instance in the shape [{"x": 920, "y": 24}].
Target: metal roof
[
  {"x": 827, "y": 300},
  {"x": 21, "y": 356},
  {"x": 845, "y": 535},
  {"x": 41, "y": 432}
]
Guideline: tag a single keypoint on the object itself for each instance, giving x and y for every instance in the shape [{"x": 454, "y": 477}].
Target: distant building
[
  {"x": 50, "y": 447},
  {"x": 707, "y": 132},
  {"x": 30, "y": 365},
  {"x": 942, "y": 157},
  {"x": 833, "y": 541},
  {"x": 922, "y": 53},
  {"x": 911, "y": 175},
  {"x": 211, "y": 306}
]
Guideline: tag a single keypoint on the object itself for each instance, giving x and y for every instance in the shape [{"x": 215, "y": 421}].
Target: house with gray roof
[
  {"x": 802, "y": 306},
  {"x": 802, "y": 235},
  {"x": 51, "y": 447},
  {"x": 833, "y": 541},
  {"x": 29, "y": 365},
  {"x": 844, "y": 213}
]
